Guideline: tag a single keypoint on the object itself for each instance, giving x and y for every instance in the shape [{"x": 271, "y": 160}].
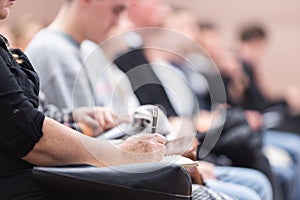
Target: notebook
[{"x": 180, "y": 160}]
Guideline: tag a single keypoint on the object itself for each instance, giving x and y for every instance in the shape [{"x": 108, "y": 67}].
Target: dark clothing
[
  {"x": 20, "y": 122},
  {"x": 198, "y": 84},
  {"x": 253, "y": 97},
  {"x": 146, "y": 85}
]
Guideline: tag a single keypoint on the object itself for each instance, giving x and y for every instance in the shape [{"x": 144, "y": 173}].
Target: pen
[{"x": 154, "y": 119}]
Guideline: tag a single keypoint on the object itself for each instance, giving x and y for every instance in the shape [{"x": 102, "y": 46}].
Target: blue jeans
[
  {"x": 291, "y": 143},
  {"x": 241, "y": 183}
]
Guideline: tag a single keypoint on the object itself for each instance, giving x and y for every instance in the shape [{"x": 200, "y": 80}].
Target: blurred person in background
[
  {"x": 199, "y": 72},
  {"x": 94, "y": 120},
  {"x": 210, "y": 38},
  {"x": 112, "y": 87},
  {"x": 281, "y": 116},
  {"x": 55, "y": 51},
  {"x": 157, "y": 11},
  {"x": 250, "y": 50}
]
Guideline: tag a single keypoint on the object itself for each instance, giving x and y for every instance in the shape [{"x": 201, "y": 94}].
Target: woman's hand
[{"x": 144, "y": 148}]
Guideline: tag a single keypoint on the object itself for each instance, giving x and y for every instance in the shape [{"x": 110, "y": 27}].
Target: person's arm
[
  {"x": 95, "y": 120},
  {"x": 27, "y": 134},
  {"x": 61, "y": 145},
  {"x": 92, "y": 121}
]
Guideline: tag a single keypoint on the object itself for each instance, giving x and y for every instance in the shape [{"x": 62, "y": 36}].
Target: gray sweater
[{"x": 57, "y": 59}]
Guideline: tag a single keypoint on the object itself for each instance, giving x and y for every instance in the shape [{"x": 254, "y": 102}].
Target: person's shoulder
[{"x": 47, "y": 41}]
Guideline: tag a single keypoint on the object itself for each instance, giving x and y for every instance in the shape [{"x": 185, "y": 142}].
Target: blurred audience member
[
  {"x": 56, "y": 54},
  {"x": 281, "y": 115},
  {"x": 237, "y": 82},
  {"x": 251, "y": 48}
]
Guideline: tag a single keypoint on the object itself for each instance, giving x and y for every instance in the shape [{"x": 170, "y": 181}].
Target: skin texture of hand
[
  {"x": 151, "y": 147},
  {"x": 206, "y": 169},
  {"x": 95, "y": 120}
]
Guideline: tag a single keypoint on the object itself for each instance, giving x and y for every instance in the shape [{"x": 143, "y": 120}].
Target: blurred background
[{"x": 281, "y": 18}]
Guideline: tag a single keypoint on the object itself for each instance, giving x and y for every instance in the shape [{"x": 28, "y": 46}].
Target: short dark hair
[{"x": 252, "y": 33}]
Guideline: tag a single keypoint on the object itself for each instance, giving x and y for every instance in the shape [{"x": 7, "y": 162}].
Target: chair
[{"x": 135, "y": 181}]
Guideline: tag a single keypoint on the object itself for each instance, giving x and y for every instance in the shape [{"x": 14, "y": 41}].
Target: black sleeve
[
  {"x": 145, "y": 83},
  {"x": 20, "y": 123}
]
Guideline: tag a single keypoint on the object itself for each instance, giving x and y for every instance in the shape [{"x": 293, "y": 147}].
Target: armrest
[{"x": 136, "y": 181}]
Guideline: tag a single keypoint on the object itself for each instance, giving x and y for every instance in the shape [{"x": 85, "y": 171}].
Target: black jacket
[{"x": 20, "y": 122}]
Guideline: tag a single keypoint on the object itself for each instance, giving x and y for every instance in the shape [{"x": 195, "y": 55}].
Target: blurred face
[
  {"x": 102, "y": 16},
  {"x": 5, "y": 7},
  {"x": 211, "y": 41},
  {"x": 148, "y": 13},
  {"x": 184, "y": 23},
  {"x": 253, "y": 51},
  {"x": 124, "y": 24},
  {"x": 258, "y": 47}
]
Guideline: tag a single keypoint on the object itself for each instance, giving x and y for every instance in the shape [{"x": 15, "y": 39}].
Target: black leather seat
[{"x": 136, "y": 181}]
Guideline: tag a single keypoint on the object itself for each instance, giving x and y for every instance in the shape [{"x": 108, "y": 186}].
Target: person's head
[
  {"x": 180, "y": 31},
  {"x": 90, "y": 19},
  {"x": 210, "y": 38},
  {"x": 182, "y": 21},
  {"x": 252, "y": 40},
  {"x": 147, "y": 13},
  {"x": 252, "y": 33},
  {"x": 5, "y": 8}
]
